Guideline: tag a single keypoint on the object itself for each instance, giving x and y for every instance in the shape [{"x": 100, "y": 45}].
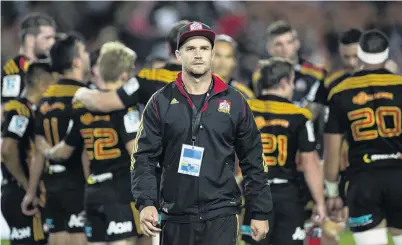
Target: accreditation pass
[{"x": 191, "y": 160}]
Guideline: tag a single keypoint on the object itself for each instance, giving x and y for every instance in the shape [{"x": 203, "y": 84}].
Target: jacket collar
[{"x": 219, "y": 84}]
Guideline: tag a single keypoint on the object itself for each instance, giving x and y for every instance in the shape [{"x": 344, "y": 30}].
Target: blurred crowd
[{"x": 143, "y": 25}]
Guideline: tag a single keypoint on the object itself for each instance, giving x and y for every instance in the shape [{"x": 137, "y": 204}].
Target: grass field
[{"x": 346, "y": 239}]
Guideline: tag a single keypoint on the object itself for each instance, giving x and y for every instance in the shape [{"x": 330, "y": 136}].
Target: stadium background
[{"x": 143, "y": 25}]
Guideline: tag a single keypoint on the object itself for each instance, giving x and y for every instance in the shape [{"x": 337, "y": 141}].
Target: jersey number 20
[{"x": 366, "y": 118}]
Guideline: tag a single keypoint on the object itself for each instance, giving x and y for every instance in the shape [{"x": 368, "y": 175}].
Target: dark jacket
[{"x": 227, "y": 126}]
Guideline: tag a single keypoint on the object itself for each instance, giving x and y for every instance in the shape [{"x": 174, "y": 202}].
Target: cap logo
[{"x": 195, "y": 26}]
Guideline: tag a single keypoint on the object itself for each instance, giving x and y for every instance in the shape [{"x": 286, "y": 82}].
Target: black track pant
[{"x": 222, "y": 231}]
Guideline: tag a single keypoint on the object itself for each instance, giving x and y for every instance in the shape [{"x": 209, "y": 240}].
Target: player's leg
[
  {"x": 54, "y": 218},
  {"x": 75, "y": 215},
  {"x": 393, "y": 205},
  {"x": 95, "y": 223},
  {"x": 121, "y": 227},
  {"x": 23, "y": 229},
  {"x": 365, "y": 213},
  {"x": 289, "y": 217}
]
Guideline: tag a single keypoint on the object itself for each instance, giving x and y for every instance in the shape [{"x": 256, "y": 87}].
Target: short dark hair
[
  {"x": 374, "y": 41},
  {"x": 350, "y": 36},
  {"x": 273, "y": 70},
  {"x": 64, "y": 51},
  {"x": 278, "y": 28},
  {"x": 31, "y": 24},
  {"x": 173, "y": 34},
  {"x": 35, "y": 70}
]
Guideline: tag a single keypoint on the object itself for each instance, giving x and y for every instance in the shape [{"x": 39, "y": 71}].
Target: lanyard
[{"x": 196, "y": 118}]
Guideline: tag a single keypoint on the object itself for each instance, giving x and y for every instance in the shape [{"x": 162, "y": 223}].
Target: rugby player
[
  {"x": 138, "y": 89},
  {"x": 108, "y": 140},
  {"x": 348, "y": 46},
  {"x": 18, "y": 124},
  {"x": 285, "y": 130},
  {"x": 37, "y": 33},
  {"x": 225, "y": 62},
  {"x": 366, "y": 107},
  {"x": 63, "y": 181}
]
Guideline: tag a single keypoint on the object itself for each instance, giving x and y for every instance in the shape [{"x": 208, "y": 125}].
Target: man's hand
[
  {"x": 319, "y": 213},
  {"x": 259, "y": 229},
  {"x": 79, "y": 94},
  {"x": 29, "y": 201},
  {"x": 335, "y": 209},
  {"x": 149, "y": 220}
]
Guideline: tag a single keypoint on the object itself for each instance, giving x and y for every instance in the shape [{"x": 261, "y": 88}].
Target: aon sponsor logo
[
  {"x": 76, "y": 221},
  {"x": 119, "y": 227},
  {"x": 19, "y": 234}
]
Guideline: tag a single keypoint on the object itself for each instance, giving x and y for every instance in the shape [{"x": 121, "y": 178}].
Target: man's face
[
  {"x": 195, "y": 56},
  {"x": 285, "y": 45},
  {"x": 44, "y": 40},
  {"x": 289, "y": 86},
  {"x": 348, "y": 55},
  {"x": 224, "y": 61},
  {"x": 82, "y": 59}
]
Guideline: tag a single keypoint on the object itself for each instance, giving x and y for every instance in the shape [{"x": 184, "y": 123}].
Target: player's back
[
  {"x": 12, "y": 77},
  {"x": 105, "y": 136},
  {"x": 55, "y": 112},
  {"x": 280, "y": 122},
  {"x": 18, "y": 124},
  {"x": 367, "y": 107},
  {"x": 149, "y": 81}
]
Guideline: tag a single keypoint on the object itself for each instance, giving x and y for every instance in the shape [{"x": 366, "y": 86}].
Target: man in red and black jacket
[{"x": 193, "y": 127}]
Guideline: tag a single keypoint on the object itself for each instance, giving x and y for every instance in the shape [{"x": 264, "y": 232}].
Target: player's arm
[
  {"x": 147, "y": 150},
  {"x": 36, "y": 167},
  {"x": 94, "y": 100},
  {"x": 248, "y": 148},
  {"x": 332, "y": 148},
  {"x": 128, "y": 129},
  {"x": 14, "y": 128},
  {"x": 309, "y": 162},
  {"x": 65, "y": 148}
]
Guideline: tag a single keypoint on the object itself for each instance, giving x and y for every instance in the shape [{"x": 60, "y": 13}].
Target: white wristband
[{"x": 332, "y": 189}]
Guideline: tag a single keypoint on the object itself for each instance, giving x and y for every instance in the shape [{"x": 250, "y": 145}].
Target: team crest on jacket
[{"x": 224, "y": 106}]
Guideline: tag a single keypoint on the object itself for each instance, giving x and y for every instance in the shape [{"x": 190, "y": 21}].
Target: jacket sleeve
[
  {"x": 146, "y": 153},
  {"x": 248, "y": 148}
]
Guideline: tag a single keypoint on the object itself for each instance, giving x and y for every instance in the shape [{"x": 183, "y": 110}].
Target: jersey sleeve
[
  {"x": 322, "y": 94},
  {"x": 129, "y": 93},
  {"x": 73, "y": 137},
  {"x": 333, "y": 124},
  {"x": 130, "y": 124},
  {"x": 14, "y": 125},
  {"x": 306, "y": 136}
]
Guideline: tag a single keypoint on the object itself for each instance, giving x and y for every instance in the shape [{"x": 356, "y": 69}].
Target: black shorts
[
  {"x": 23, "y": 229},
  {"x": 109, "y": 218},
  {"x": 286, "y": 222},
  {"x": 64, "y": 211},
  {"x": 222, "y": 230},
  {"x": 374, "y": 196}
]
